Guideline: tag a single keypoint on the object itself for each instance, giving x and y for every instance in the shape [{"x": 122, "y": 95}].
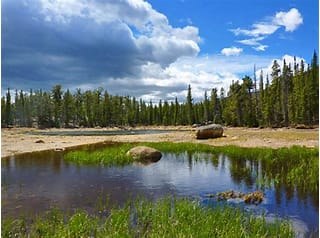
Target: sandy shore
[{"x": 18, "y": 141}]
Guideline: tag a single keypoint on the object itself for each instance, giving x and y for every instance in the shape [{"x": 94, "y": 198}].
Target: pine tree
[
  {"x": 275, "y": 94},
  {"x": 285, "y": 79},
  {"x": 79, "y": 117},
  {"x": 177, "y": 115},
  {"x": 3, "y": 111},
  {"x": 57, "y": 104},
  {"x": 68, "y": 109},
  {"x": 248, "y": 102},
  {"x": 260, "y": 103},
  {"x": 314, "y": 94},
  {"x": 8, "y": 109},
  {"x": 222, "y": 103},
  {"x": 206, "y": 108},
  {"x": 189, "y": 105},
  {"x": 215, "y": 106}
]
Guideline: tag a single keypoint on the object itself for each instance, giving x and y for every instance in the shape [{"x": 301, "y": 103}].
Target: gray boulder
[
  {"x": 144, "y": 154},
  {"x": 209, "y": 131}
]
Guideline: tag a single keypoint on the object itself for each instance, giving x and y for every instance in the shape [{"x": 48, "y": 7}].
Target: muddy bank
[{"x": 17, "y": 140}]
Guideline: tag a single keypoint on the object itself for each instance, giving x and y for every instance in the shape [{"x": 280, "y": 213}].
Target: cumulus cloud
[
  {"x": 290, "y": 20},
  {"x": 75, "y": 41},
  {"x": 231, "y": 51},
  {"x": 156, "y": 38},
  {"x": 126, "y": 47},
  {"x": 203, "y": 73}
]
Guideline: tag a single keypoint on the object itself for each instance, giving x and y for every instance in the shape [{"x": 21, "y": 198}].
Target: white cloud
[
  {"x": 231, "y": 51},
  {"x": 257, "y": 30},
  {"x": 203, "y": 73},
  {"x": 291, "y": 20},
  {"x": 260, "y": 47},
  {"x": 150, "y": 30},
  {"x": 254, "y": 42}
]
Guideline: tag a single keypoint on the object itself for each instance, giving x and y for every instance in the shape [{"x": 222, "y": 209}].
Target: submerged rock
[
  {"x": 209, "y": 131},
  {"x": 229, "y": 194},
  {"x": 144, "y": 154},
  {"x": 255, "y": 197}
]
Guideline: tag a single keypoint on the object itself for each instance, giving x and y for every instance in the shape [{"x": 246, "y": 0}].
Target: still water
[
  {"x": 34, "y": 183},
  {"x": 100, "y": 132}
]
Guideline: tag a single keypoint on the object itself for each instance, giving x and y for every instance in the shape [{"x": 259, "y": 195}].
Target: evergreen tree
[
  {"x": 189, "y": 105},
  {"x": 261, "y": 101},
  {"x": 68, "y": 109},
  {"x": 286, "y": 75},
  {"x": 275, "y": 94},
  {"x": 8, "y": 109},
  {"x": 314, "y": 94},
  {"x": 57, "y": 104},
  {"x": 3, "y": 111},
  {"x": 206, "y": 108}
]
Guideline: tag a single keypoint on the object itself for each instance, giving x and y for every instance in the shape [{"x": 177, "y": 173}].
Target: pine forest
[{"x": 289, "y": 96}]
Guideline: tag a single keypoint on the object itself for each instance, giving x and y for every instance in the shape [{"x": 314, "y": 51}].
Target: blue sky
[
  {"x": 215, "y": 18},
  {"x": 150, "y": 49}
]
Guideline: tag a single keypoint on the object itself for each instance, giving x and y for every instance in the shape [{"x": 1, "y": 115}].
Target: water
[
  {"x": 34, "y": 183},
  {"x": 99, "y": 132}
]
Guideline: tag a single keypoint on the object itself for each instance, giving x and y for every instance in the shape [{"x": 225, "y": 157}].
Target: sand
[{"x": 18, "y": 141}]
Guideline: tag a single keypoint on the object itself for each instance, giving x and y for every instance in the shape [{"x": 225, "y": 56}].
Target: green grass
[
  {"x": 165, "y": 218},
  {"x": 296, "y": 166},
  {"x": 112, "y": 155}
]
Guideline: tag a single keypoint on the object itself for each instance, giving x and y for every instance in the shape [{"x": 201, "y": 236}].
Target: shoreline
[{"x": 15, "y": 141}]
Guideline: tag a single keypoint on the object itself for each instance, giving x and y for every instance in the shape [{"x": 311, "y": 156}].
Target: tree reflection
[{"x": 240, "y": 172}]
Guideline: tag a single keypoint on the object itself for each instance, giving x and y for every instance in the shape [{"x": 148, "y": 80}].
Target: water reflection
[{"x": 35, "y": 182}]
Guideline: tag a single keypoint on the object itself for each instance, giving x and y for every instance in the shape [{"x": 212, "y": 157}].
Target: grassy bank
[
  {"x": 295, "y": 166},
  {"x": 165, "y": 218}
]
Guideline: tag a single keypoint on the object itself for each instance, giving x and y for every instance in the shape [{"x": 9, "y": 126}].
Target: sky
[{"x": 150, "y": 49}]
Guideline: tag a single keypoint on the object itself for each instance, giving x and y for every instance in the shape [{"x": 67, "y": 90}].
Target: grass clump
[
  {"x": 112, "y": 155},
  {"x": 165, "y": 218}
]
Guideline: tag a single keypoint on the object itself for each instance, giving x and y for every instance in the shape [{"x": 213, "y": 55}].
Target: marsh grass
[
  {"x": 296, "y": 166},
  {"x": 167, "y": 217},
  {"x": 112, "y": 155}
]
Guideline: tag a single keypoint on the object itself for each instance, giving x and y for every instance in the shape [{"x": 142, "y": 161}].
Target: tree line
[{"x": 287, "y": 97}]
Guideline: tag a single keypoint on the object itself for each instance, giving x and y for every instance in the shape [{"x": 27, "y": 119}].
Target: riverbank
[{"x": 18, "y": 140}]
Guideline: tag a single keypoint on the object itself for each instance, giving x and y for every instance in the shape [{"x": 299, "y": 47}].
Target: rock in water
[
  {"x": 209, "y": 131},
  {"x": 145, "y": 154},
  {"x": 253, "y": 198}
]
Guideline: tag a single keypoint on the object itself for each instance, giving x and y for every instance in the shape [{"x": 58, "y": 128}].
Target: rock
[
  {"x": 59, "y": 149},
  {"x": 253, "y": 198},
  {"x": 229, "y": 194},
  {"x": 209, "y": 131},
  {"x": 144, "y": 154},
  {"x": 39, "y": 141},
  {"x": 302, "y": 126}
]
